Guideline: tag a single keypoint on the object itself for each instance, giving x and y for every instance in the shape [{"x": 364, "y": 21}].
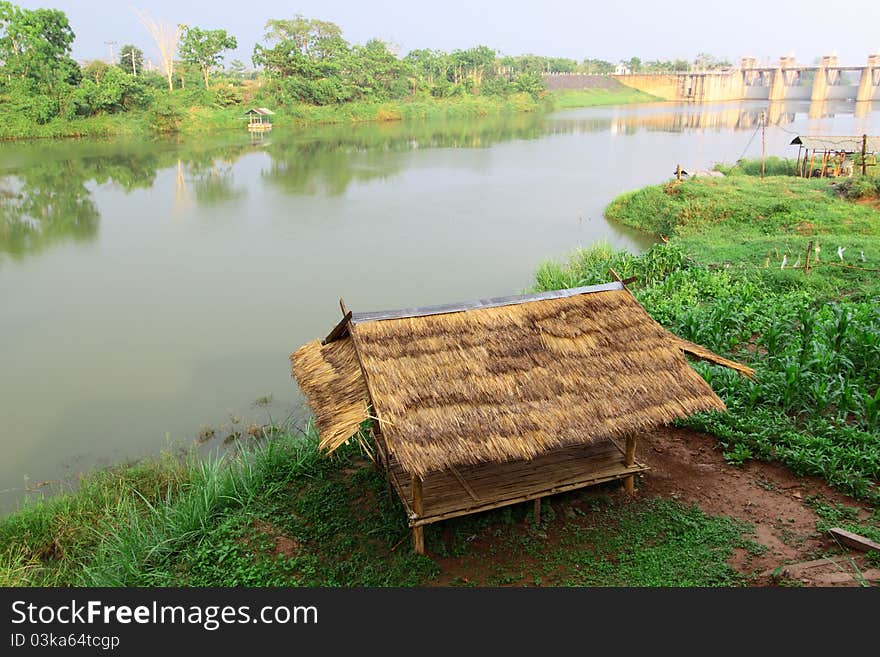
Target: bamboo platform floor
[{"x": 466, "y": 490}]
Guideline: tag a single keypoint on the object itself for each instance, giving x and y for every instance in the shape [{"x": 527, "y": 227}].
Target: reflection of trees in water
[
  {"x": 45, "y": 204},
  {"x": 46, "y": 201},
  {"x": 327, "y": 160},
  {"x": 209, "y": 172}
]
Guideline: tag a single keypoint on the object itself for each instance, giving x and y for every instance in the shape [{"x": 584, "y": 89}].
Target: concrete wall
[
  {"x": 557, "y": 81},
  {"x": 780, "y": 83},
  {"x": 667, "y": 87}
]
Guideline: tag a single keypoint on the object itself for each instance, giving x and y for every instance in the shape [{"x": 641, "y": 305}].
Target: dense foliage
[
  {"x": 302, "y": 63},
  {"x": 732, "y": 278}
]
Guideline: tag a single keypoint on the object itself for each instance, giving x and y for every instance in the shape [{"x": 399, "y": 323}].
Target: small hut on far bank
[
  {"x": 258, "y": 119},
  {"x": 493, "y": 402}
]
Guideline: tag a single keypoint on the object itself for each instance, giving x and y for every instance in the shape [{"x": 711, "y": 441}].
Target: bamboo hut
[
  {"x": 823, "y": 156},
  {"x": 258, "y": 119},
  {"x": 493, "y": 402}
]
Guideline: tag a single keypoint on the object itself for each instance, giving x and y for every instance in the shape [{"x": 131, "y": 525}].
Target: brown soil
[
  {"x": 689, "y": 466},
  {"x": 282, "y": 545}
]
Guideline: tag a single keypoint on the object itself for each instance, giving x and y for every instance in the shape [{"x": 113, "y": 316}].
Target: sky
[{"x": 577, "y": 29}]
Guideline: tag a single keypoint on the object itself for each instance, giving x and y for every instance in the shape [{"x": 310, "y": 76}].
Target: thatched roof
[
  {"x": 504, "y": 379},
  {"x": 849, "y": 144},
  {"x": 332, "y": 381}
]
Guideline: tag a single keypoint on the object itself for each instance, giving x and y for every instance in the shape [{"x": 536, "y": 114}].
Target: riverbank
[
  {"x": 781, "y": 274},
  {"x": 281, "y": 514},
  {"x": 190, "y": 120},
  {"x": 576, "y": 98}
]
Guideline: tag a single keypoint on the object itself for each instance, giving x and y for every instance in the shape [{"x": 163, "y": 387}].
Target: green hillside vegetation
[{"x": 732, "y": 277}]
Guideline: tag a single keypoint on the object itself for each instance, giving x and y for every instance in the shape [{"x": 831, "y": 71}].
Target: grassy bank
[
  {"x": 281, "y": 514},
  {"x": 574, "y": 98},
  {"x": 732, "y": 277},
  {"x": 199, "y": 119}
]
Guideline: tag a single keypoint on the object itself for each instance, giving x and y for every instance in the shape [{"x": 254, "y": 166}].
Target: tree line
[{"x": 300, "y": 60}]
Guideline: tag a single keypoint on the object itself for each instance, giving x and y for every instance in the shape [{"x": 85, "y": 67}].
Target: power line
[{"x": 749, "y": 144}]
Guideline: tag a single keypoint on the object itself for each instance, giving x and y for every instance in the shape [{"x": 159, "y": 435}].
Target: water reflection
[
  {"x": 41, "y": 206},
  {"x": 46, "y": 192}
]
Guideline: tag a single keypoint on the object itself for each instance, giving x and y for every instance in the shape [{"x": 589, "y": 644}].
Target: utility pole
[
  {"x": 763, "y": 140},
  {"x": 864, "y": 155},
  {"x": 110, "y": 45},
  {"x": 133, "y": 62}
]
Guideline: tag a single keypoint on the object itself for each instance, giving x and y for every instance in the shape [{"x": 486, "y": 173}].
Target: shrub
[
  {"x": 858, "y": 187},
  {"x": 165, "y": 117}
]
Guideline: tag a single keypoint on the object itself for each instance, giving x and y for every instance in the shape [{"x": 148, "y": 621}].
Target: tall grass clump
[{"x": 773, "y": 166}]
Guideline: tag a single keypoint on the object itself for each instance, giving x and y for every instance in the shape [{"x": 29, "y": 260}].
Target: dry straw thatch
[
  {"x": 331, "y": 379},
  {"x": 506, "y": 383}
]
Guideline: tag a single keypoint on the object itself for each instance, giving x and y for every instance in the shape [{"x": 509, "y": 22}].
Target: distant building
[{"x": 622, "y": 69}]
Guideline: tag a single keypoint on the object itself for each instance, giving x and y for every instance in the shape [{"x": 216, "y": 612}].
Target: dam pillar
[
  {"x": 826, "y": 75},
  {"x": 868, "y": 81},
  {"x": 749, "y": 76},
  {"x": 782, "y": 76}
]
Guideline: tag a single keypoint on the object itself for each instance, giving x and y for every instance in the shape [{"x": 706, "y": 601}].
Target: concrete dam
[{"x": 787, "y": 80}]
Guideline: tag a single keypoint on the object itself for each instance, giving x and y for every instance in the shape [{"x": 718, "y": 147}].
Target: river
[{"x": 150, "y": 293}]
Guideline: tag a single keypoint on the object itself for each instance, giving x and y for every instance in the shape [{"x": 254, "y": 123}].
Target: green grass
[
  {"x": 196, "y": 119},
  {"x": 814, "y": 339},
  {"x": 281, "y": 514},
  {"x": 574, "y": 98}
]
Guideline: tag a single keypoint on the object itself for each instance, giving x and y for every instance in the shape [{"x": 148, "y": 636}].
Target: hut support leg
[
  {"x": 537, "y": 512},
  {"x": 418, "y": 509},
  {"x": 629, "y": 483}
]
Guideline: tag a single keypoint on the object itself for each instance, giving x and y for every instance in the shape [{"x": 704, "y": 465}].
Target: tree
[
  {"x": 131, "y": 58},
  {"x": 95, "y": 70},
  {"x": 112, "y": 91},
  {"x": 705, "y": 61},
  {"x": 166, "y": 38},
  {"x": 596, "y": 66},
  {"x": 35, "y": 43},
  {"x": 307, "y": 48},
  {"x": 36, "y": 64},
  {"x": 204, "y": 48},
  {"x": 236, "y": 69},
  {"x": 313, "y": 38}
]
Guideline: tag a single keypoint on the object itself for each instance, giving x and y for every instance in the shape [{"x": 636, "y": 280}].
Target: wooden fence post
[
  {"x": 419, "y": 510},
  {"x": 629, "y": 483}
]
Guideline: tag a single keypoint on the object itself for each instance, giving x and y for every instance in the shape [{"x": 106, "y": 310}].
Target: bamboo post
[
  {"x": 798, "y": 165},
  {"x": 630, "y": 457},
  {"x": 864, "y": 154},
  {"x": 537, "y": 513},
  {"x": 812, "y": 157},
  {"x": 418, "y": 509},
  {"x": 763, "y": 140},
  {"x": 807, "y": 259},
  {"x": 678, "y": 172}
]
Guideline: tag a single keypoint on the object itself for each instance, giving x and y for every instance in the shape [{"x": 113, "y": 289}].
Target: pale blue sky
[{"x": 578, "y": 29}]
